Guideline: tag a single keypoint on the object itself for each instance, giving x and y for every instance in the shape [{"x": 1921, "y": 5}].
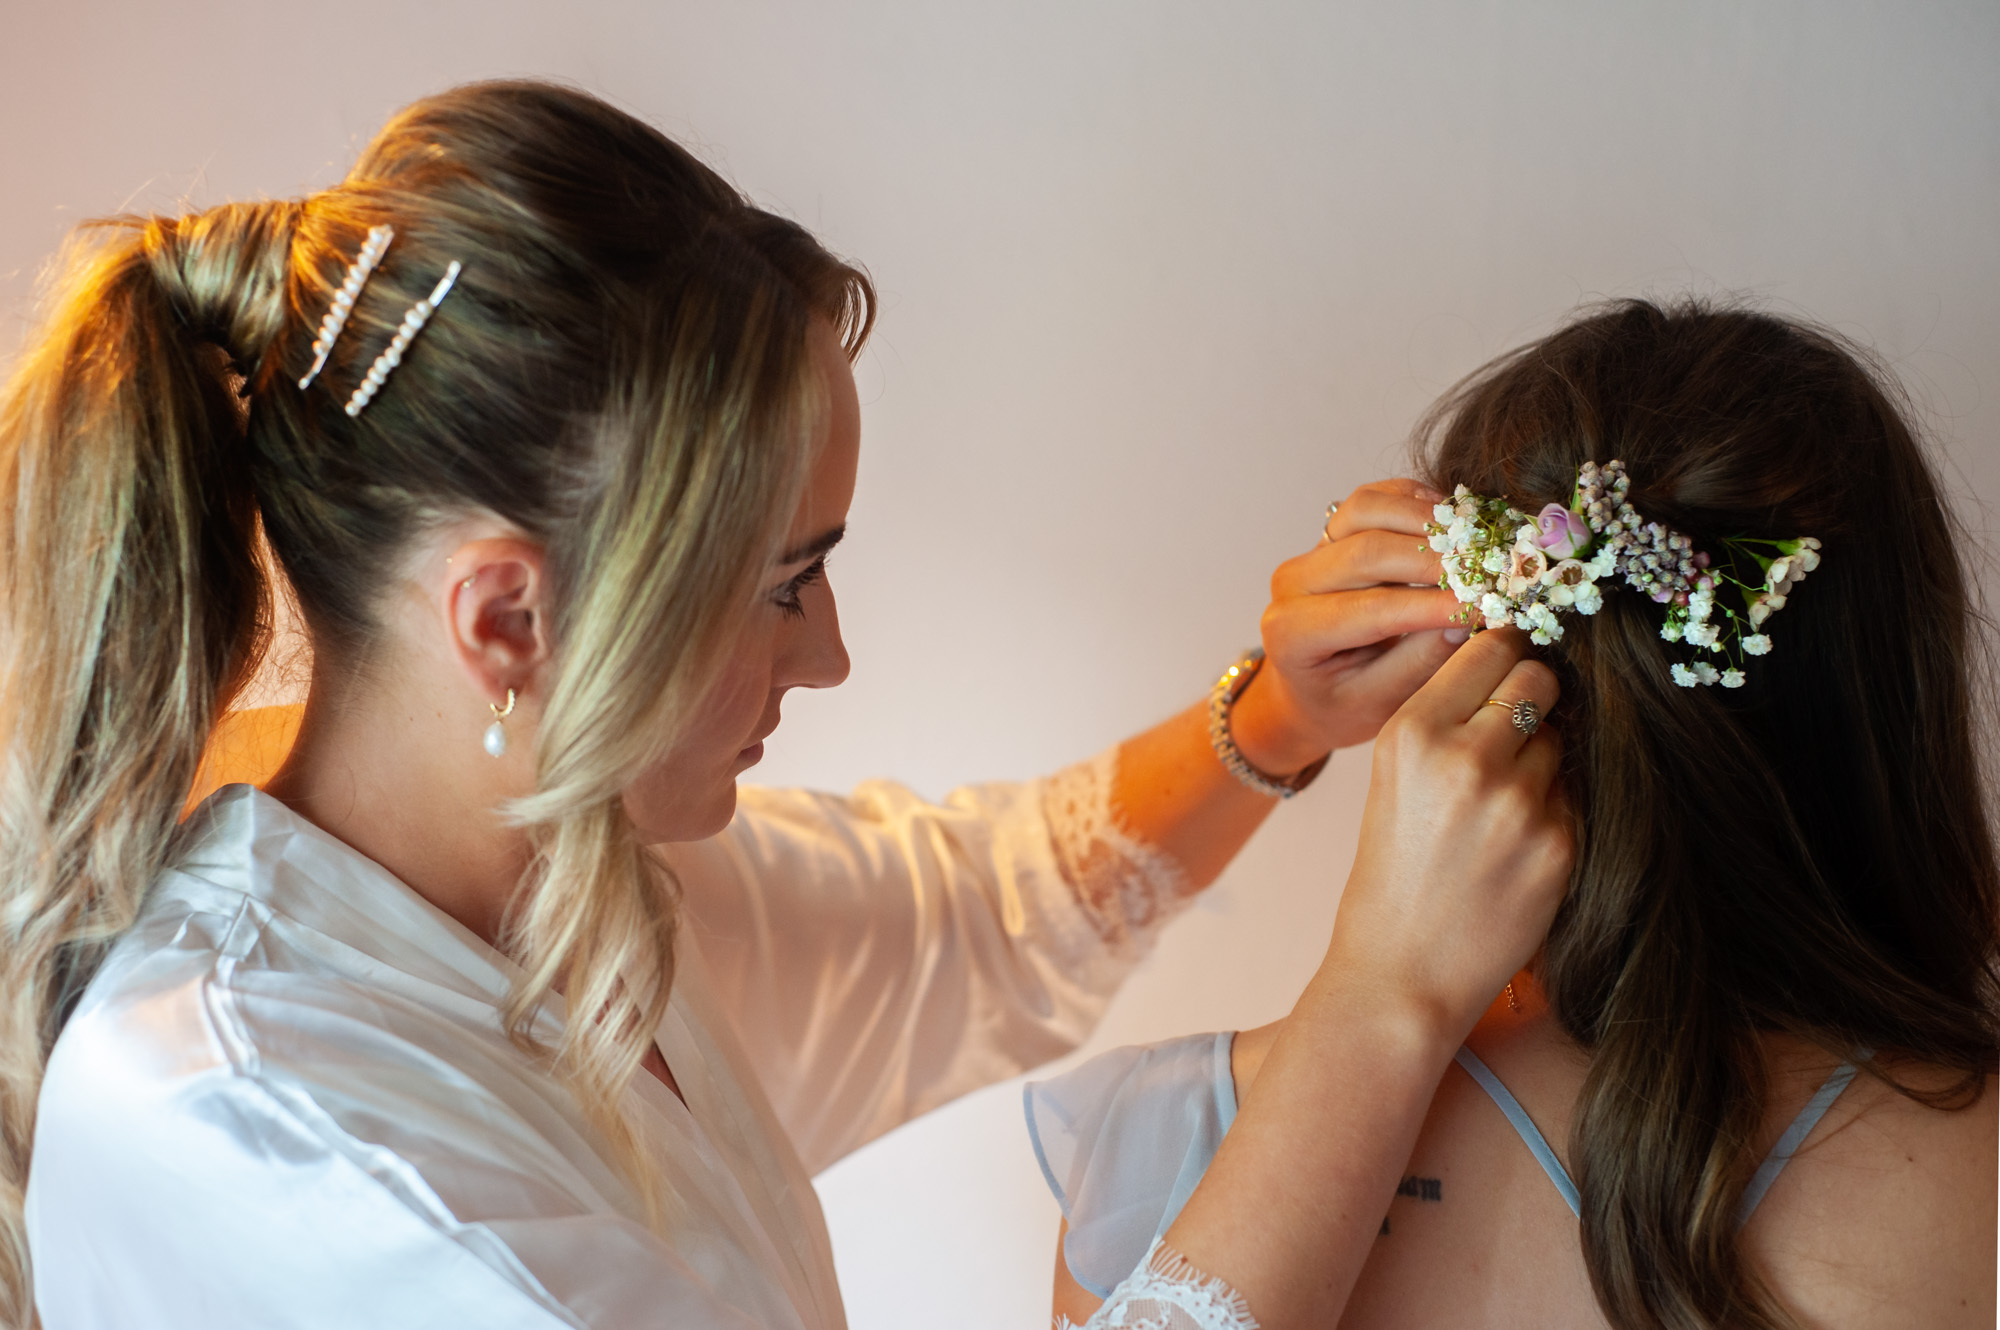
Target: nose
[{"x": 818, "y": 656}]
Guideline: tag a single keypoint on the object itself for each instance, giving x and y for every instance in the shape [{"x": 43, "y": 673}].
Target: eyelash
[{"x": 786, "y": 597}]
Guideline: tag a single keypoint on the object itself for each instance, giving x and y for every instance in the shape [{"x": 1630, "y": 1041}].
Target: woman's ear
[{"x": 497, "y": 614}]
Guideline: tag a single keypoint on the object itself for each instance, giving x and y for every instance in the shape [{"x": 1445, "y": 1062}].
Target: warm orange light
[{"x": 247, "y": 747}]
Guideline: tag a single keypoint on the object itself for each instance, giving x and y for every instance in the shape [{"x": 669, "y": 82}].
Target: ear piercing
[{"x": 495, "y": 738}]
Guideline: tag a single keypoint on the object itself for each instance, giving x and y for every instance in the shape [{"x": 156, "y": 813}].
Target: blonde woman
[{"x": 484, "y": 1011}]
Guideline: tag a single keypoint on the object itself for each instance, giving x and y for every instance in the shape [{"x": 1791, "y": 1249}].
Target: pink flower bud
[{"x": 1563, "y": 533}]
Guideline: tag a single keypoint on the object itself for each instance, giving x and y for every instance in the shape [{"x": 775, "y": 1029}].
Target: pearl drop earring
[{"x": 495, "y": 739}]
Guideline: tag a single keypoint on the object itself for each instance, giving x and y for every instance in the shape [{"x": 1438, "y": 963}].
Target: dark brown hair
[
  {"x": 621, "y": 371},
  {"x": 1810, "y": 853}
]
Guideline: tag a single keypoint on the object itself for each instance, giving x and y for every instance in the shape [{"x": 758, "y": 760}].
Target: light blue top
[{"x": 1124, "y": 1138}]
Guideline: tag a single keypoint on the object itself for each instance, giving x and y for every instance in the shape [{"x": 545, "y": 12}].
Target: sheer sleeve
[
  {"x": 1167, "y": 1292},
  {"x": 880, "y": 955}
]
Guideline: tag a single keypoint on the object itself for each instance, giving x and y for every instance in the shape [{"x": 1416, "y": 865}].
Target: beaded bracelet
[{"x": 1221, "y": 699}]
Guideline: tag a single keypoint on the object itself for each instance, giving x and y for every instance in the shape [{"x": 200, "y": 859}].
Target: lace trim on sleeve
[
  {"x": 1127, "y": 888},
  {"x": 1167, "y": 1292}
]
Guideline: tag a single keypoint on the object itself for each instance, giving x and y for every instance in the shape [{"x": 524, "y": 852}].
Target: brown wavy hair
[
  {"x": 621, "y": 372},
  {"x": 1810, "y": 853}
]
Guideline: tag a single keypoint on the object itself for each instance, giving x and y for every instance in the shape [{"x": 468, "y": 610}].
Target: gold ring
[
  {"x": 1526, "y": 715},
  {"x": 1325, "y": 533}
]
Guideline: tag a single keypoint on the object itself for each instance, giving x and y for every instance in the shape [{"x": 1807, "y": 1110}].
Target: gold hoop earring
[{"x": 495, "y": 738}]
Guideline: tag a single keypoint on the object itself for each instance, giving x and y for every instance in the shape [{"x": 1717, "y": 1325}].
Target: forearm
[
  {"x": 1173, "y": 793},
  {"x": 1290, "y": 1209}
]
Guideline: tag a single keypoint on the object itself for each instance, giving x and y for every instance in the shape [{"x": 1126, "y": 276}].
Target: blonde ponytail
[{"x": 131, "y": 606}]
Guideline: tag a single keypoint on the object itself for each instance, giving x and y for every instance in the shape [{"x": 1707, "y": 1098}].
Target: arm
[
  {"x": 880, "y": 954},
  {"x": 1463, "y": 855}
]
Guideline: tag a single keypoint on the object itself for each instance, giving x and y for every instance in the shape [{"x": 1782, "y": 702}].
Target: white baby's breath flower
[
  {"x": 1732, "y": 678},
  {"x": 1684, "y": 676},
  {"x": 1442, "y": 513},
  {"x": 1589, "y": 600},
  {"x": 1441, "y": 541},
  {"x": 1495, "y": 561},
  {"x": 1700, "y": 605},
  {"x": 1494, "y": 606},
  {"x": 1703, "y": 634},
  {"x": 1671, "y": 631},
  {"x": 1547, "y": 628},
  {"x": 1706, "y": 672},
  {"x": 1757, "y": 645},
  {"x": 1604, "y": 562}
]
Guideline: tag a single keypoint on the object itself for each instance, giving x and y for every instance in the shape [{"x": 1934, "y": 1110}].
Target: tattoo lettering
[{"x": 1421, "y": 1189}]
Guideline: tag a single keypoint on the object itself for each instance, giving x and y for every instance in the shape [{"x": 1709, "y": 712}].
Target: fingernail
[{"x": 1456, "y": 635}]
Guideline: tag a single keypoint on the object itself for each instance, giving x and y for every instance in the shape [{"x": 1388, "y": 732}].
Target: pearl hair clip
[
  {"x": 358, "y": 273},
  {"x": 413, "y": 323}
]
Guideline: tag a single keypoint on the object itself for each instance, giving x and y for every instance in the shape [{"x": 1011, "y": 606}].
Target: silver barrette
[
  {"x": 413, "y": 323},
  {"x": 343, "y": 300}
]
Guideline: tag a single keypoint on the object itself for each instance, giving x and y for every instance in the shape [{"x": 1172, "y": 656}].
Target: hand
[
  {"x": 1466, "y": 844},
  {"x": 1355, "y": 625}
]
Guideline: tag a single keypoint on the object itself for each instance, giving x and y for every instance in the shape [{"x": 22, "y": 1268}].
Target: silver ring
[
  {"x": 1527, "y": 717},
  {"x": 1324, "y": 533}
]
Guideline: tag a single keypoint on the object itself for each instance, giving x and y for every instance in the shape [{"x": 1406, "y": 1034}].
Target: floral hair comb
[{"x": 1508, "y": 570}]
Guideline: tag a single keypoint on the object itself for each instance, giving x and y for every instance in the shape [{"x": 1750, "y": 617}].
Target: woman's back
[{"x": 1885, "y": 1217}]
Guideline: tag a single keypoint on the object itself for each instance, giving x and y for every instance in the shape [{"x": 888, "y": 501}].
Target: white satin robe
[{"x": 286, "y": 1099}]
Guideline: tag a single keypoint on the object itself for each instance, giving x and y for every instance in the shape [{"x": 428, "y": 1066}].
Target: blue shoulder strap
[
  {"x": 1794, "y": 1137},
  {"x": 1522, "y": 1124},
  {"x": 1760, "y": 1182}
]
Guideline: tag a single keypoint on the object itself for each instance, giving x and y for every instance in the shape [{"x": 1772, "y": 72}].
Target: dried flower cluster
[{"x": 1508, "y": 570}]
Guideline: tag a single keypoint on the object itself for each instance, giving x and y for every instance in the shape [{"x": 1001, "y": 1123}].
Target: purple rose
[{"x": 1564, "y": 535}]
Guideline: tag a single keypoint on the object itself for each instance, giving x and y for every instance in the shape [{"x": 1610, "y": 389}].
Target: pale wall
[{"x": 1158, "y": 280}]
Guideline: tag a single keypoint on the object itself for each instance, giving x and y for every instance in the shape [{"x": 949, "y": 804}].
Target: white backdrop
[{"x": 1158, "y": 280}]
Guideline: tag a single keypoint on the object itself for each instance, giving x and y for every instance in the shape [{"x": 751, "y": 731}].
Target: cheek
[{"x": 691, "y": 793}]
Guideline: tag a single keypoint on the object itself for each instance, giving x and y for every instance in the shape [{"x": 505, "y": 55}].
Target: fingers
[
  {"x": 1364, "y": 558},
  {"x": 1308, "y": 629},
  {"x": 1540, "y": 759},
  {"x": 1527, "y": 681},
  {"x": 1386, "y": 505},
  {"x": 1472, "y": 674}
]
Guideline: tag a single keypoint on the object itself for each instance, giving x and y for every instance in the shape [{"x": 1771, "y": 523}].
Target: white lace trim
[
  {"x": 1126, "y": 887},
  {"x": 1167, "y": 1292}
]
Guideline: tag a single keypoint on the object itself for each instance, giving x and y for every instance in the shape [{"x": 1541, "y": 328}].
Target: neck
[{"x": 403, "y": 780}]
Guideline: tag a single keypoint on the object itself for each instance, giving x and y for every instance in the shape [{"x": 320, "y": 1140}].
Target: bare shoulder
[{"x": 1886, "y": 1217}]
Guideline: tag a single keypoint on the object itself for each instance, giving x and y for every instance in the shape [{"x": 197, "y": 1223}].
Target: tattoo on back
[{"x": 1417, "y": 1189}]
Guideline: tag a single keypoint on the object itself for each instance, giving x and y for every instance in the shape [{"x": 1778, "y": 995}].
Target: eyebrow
[{"x": 815, "y": 547}]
